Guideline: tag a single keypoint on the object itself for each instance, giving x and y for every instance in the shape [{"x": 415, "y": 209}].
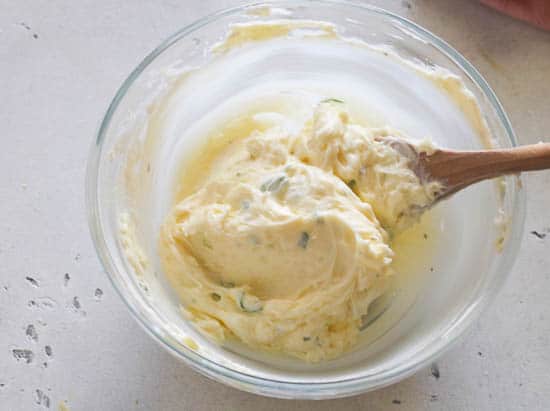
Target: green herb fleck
[
  {"x": 304, "y": 239},
  {"x": 216, "y": 297},
  {"x": 332, "y": 100},
  {"x": 425, "y": 236},
  {"x": 352, "y": 184},
  {"x": 227, "y": 284},
  {"x": 273, "y": 184},
  {"x": 250, "y": 304},
  {"x": 206, "y": 243},
  {"x": 307, "y": 338}
]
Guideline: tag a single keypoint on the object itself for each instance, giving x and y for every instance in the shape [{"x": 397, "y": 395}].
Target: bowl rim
[{"x": 305, "y": 390}]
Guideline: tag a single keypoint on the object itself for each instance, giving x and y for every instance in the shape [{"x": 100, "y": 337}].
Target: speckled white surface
[{"x": 60, "y": 64}]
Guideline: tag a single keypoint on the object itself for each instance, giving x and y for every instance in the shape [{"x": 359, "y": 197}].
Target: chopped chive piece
[
  {"x": 273, "y": 184},
  {"x": 216, "y": 297},
  {"x": 206, "y": 243},
  {"x": 304, "y": 239},
  {"x": 249, "y": 303},
  {"x": 332, "y": 100},
  {"x": 352, "y": 184},
  {"x": 307, "y": 338}
]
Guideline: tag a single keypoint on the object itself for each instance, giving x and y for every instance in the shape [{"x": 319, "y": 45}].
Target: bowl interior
[{"x": 173, "y": 99}]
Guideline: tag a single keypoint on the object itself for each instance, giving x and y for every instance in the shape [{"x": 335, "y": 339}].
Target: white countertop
[{"x": 60, "y": 64}]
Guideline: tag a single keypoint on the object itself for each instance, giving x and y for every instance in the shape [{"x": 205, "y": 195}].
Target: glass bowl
[{"x": 470, "y": 268}]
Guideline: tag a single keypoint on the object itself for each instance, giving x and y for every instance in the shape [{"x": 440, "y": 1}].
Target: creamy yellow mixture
[{"x": 287, "y": 239}]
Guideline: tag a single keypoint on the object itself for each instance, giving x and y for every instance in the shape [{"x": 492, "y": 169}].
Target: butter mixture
[{"x": 287, "y": 241}]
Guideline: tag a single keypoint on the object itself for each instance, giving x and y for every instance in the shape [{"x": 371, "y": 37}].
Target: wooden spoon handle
[{"x": 458, "y": 169}]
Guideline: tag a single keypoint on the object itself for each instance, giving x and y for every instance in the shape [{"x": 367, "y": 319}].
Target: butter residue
[
  {"x": 131, "y": 244},
  {"x": 189, "y": 342},
  {"x": 457, "y": 91},
  {"x": 243, "y": 33}
]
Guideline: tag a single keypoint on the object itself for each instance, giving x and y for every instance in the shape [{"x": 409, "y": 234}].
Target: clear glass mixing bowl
[{"x": 451, "y": 302}]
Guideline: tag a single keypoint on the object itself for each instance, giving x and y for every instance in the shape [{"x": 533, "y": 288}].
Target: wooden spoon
[{"x": 456, "y": 170}]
